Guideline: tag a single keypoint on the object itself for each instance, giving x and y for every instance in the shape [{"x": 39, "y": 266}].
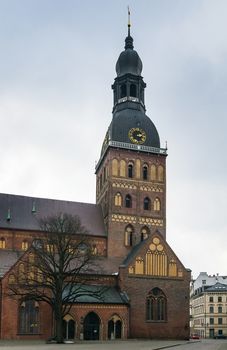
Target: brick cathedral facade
[{"x": 148, "y": 286}]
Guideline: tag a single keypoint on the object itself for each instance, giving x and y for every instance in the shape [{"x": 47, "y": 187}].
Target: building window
[
  {"x": 2, "y": 243},
  {"x": 128, "y": 235},
  {"x": 145, "y": 172},
  {"x": 118, "y": 200},
  {"x": 130, "y": 171},
  {"x": 211, "y": 320},
  {"x": 29, "y": 317},
  {"x": 24, "y": 245},
  {"x": 220, "y": 309},
  {"x": 219, "y": 299},
  {"x": 147, "y": 203},
  {"x": 144, "y": 233},
  {"x": 128, "y": 201},
  {"x": 123, "y": 90},
  {"x": 211, "y": 299},
  {"x": 157, "y": 204},
  {"x": 211, "y": 309},
  {"x": 153, "y": 172},
  {"x": 219, "y": 320},
  {"x": 156, "y": 306},
  {"x": 160, "y": 173},
  {"x": 133, "y": 90}
]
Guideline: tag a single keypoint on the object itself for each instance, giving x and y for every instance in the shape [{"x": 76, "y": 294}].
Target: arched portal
[
  {"x": 114, "y": 328},
  {"x": 91, "y": 326},
  {"x": 68, "y": 327}
]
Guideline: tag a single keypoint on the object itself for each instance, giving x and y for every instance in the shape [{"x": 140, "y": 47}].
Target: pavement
[{"x": 132, "y": 344}]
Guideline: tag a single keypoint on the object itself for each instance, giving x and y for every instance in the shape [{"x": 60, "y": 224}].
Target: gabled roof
[{"x": 23, "y": 213}]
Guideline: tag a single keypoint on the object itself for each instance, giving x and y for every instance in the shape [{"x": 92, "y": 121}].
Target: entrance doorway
[
  {"x": 114, "y": 328},
  {"x": 68, "y": 328},
  {"x": 91, "y": 326}
]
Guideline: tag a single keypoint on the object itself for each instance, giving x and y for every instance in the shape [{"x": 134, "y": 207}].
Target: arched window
[
  {"x": 29, "y": 317},
  {"x": 2, "y": 243},
  {"x": 145, "y": 172},
  {"x": 24, "y": 245},
  {"x": 157, "y": 204},
  {"x": 133, "y": 91},
  {"x": 144, "y": 233},
  {"x": 114, "y": 167},
  {"x": 160, "y": 173},
  {"x": 21, "y": 273},
  {"x": 156, "y": 305},
  {"x": 147, "y": 203},
  {"x": 12, "y": 279},
  {"x": 123, "y": 90},
  {"x": 128, "y": 201},
  {"x": 153, "y": 172},
  {"x": 118, "y": 199},
  {"x": 128, "y": 235},
  {"x": 122, "y": 168},
  {"x": 130, "y": 170}
]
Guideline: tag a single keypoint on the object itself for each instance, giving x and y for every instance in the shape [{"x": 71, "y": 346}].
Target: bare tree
[{"x": 56, "y": 268}]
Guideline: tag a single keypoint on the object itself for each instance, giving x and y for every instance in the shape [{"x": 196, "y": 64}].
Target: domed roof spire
[{"x": 129, "y": 61}]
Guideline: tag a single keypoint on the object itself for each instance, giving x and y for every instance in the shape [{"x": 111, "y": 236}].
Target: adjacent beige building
[{"x": 208, "y": 304}]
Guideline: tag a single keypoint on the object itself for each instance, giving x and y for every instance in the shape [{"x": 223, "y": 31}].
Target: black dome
[
  {"x": 127, "y": 119},
  {"x": 129, "y": 60}
]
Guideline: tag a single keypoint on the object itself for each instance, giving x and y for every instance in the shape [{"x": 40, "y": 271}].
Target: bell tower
[{"x": 131, "y": 171}]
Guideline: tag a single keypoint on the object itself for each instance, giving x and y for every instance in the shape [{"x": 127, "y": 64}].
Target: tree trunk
[{"x": 59, "y": 330}]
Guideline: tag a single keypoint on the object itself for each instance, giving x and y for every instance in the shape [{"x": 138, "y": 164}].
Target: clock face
[{"x": 137, "y": 135}]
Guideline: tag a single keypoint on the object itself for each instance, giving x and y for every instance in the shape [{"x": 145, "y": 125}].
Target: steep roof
[
  {"x": 23, "y": 213},
  {"x": 98, "y": 294}
]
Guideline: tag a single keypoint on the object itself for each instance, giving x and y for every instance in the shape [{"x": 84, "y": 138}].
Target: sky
[{"x": 57, "y": 64}]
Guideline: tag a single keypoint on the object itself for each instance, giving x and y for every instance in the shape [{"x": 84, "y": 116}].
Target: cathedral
[{"x": 148, "y": 286}]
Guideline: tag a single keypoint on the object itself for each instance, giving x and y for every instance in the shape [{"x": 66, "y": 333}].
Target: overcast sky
[{"x": 57, "y": 64}]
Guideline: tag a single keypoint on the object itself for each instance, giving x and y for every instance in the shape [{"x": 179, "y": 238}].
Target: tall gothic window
[
  {"x": 29, "y": 317},
  {"x": 156, "y": 306},
  {"x": 118, "y": 199},
  {"x": 128, "y": 201},
  {"x": 145, "y": 172},
  {"x": 147, "y": 203},
  {"x": 128, "y": 236},
  {"x": 130, "y": 170},
  {"x": 157, "y": 204}
]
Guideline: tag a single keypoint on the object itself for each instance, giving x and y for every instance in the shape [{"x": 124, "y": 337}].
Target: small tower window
[
  {"x": 145, "y": 172},
  {"x": 157, "y": 204},
  {"x": 130, "y": 170},
  {"x": 2, "y": 243},
  {"x": 144, "y": 233},
  {"x": 123, "y": 90},
  {"x": 118, "y": 199},
  {"x": 24, "y": 245},
  {"x": 133, "y": 91},
  {"x": 147, "y": 203},
  {"x": 128, "y": 235},
  {"x": 128, "y": 201}
]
